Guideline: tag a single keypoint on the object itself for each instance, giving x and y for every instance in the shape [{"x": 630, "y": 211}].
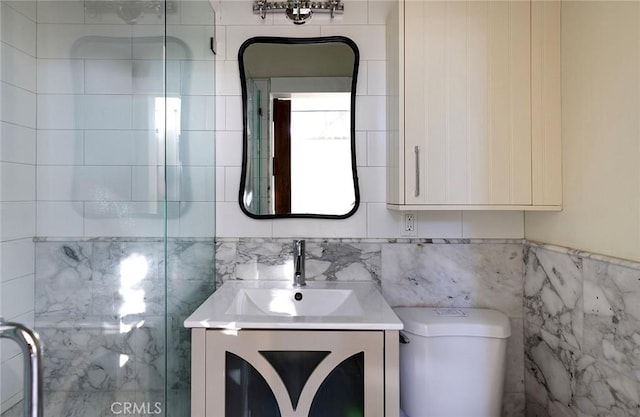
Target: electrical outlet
[{"x": 409, "y": 224}]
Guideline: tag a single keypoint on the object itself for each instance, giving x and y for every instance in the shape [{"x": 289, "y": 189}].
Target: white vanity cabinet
[
  {"x": 473, "y": 105},
  {"x": 294, "y": 373}
]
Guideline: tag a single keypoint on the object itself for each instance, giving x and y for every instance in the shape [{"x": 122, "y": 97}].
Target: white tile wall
[
  {"x": 364, "y": 22},
  {"x": 17, "y": 182}
]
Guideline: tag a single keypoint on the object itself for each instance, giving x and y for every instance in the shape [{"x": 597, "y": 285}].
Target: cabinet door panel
[{"x": 467, "y": 109}]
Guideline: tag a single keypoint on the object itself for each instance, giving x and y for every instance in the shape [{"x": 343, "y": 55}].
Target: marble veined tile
[
  {"x": 460, "y": 275},
  {"x": 612, "y": 316},
  {"x": 603, "y": 391},
  {"x": 553, "y": 294}
]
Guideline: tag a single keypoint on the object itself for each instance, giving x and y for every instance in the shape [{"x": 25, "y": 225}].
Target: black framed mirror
[{"x": 298, "y": 108}]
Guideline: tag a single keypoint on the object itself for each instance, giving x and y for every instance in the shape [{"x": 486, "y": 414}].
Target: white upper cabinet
[{"x": 474, "y": 105}]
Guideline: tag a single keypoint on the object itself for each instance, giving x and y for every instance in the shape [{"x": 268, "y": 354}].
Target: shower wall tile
[
  {"x": 16, "y": 296},
  {"x": 66, "y": 11},
  {"x": 198, "y": 77},
  {"x": 16, "y": 259},
  {"x": 17, "y": 182},
  {"x": 90, "y": 183},
  {"x": 17, "y": 105},
  {"x": 60, "y": 219},
  {"x": 27, "y": 8},
  {"x": 17, "y": 29},
  {"x": 60, "y": 147},
  {"x": 197, "y": 148},
  {"x": 17, "y": 144},
  {"x": 65, "y": 41},
  {"x": 17, "y": 220},
  {"x": 18, "y": 67},
  {"x": 106, "y": 76},
  {"x": 101, "y": 311},
  {"x": 60, "y": 76}
]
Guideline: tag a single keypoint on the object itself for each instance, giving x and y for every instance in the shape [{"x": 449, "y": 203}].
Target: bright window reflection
[{"x": 133, "y": 271}]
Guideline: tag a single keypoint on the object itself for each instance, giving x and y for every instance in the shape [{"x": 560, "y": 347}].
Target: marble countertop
[{"x": 215, "y": 311}]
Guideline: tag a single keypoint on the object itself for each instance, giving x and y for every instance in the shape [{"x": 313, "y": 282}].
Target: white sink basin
[
  {"x": 295, "y": 302},
  {"x": 328, "y": 305}
]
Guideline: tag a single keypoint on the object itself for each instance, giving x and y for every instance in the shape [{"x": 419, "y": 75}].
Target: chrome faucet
[{"x": 298, "y": 263}]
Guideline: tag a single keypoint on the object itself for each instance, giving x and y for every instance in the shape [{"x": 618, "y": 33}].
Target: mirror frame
[{"x": 352, "y": 130}]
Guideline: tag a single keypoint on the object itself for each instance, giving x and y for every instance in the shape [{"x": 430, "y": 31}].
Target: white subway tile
[
  {"x": 148, "y": 183},
  {"x": 372, "y": 184},
  {"x": 361, "y": 148},
  {"x": 376, "y": 82},
  {"x": 493, "y": 224},
  {"x": 197, "y": 219},
  {"x": 8, "y": 348},
  {"x": 17, "y": 220},
  {"x": 17, "y": 105},
  {"x": 184, "y": 42},
  {"x": 145, "y": 110},
  {"x": 17, "y": 30},
  {"x": 381, "y": 222},
  {"x": 232, "y": 222},
  {"x": 84, "y": 41},
  {"x": 18, "y": 68},
  {"x": 440, "y": 224},
  {"x": 60, "y": 76},
  {"x": 59, "y": 111},
  {"x": 108, "y": 76},
  {"x": 234, "y": 12},
  {"x": 220, "y": 183},
  {"x": 351, "y": 227},
  {"x": 16, "y": 258},
  {"x": 377, "y": 149},
  {"x": 60, "y": 219},
  {"x": 198, "y": 78},
  {"x": 17, "y": 296},
  {"x": 233, "y": 113},
  {"x": 66, "y": 11},
  {"x": 107, "y": 112},
  {"x": 198, "y": 184},
  {"x": 221, "y": 42},
  {"x": 11, "y": 375},
  {"x": 379, "y": 10},
  {"x": 60, "y": 147},
  {"x": 220, "y": 113},
  {"x": 149, "y": 77},
  {"x": 17, "y": 144},
  {"x": 229, "y": 148},
  {"x": 196, "y": 13},
  {"x": 27, "y": 8},
  {"x": 130, "y": 219},
  {"x": 18, "y": 182},
  {"x": 89, "y": 183},
  {"x": 363, "y": 76},
  {"x": 211, "y": 119},
  {"x": 371, "y": 113},
  {"x": 227, "y": 78},
  {"x": 111, "y": 147},
  {"x": 198, "y": 148},
  {"x": 236, "y": 35},
  {"x": 232, "y": 183},
  {"x": 149, "y": 42},
  {"x": 369, "y": 38}
]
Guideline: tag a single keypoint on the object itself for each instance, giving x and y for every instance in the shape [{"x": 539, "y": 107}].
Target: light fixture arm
[{"x": 298, "y": 11}]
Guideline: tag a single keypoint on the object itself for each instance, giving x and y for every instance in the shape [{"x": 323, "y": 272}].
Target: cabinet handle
[{"x": 416, "y": 150}]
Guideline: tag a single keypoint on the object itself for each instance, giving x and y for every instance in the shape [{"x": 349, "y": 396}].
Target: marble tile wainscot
[
  {"x": 582, "y": 333},
  {"x": 410, "y": 272},
  {"x": 90, "y": 313}
]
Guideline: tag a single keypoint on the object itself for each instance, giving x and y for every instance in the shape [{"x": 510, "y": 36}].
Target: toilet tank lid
[{"x": 447, "y": 321}]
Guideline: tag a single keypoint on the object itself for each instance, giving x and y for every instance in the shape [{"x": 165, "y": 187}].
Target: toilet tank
[{"x": 452, "y": 361}]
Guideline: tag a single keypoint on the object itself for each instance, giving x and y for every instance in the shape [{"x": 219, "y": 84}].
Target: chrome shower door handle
[{"x": 30, "y": 346}]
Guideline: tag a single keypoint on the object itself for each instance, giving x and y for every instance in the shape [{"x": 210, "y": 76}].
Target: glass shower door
[{"x": 121, "y": 167}]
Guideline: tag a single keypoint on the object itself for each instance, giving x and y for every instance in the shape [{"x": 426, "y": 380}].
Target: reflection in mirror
[{"x": 298, "y": 98}]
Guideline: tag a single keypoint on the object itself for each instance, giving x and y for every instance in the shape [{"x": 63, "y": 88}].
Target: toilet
[{"x": 452, "y": 361}]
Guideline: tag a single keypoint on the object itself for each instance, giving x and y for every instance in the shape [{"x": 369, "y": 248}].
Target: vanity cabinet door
[
  {"x": 479, "y": 93},
  {"x": 255, "y": 373}
]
